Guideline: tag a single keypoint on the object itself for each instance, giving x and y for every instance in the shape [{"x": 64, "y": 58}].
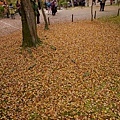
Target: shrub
[
  {"x": 64, "y": 4},
  {"x": 1, "y": 11}
]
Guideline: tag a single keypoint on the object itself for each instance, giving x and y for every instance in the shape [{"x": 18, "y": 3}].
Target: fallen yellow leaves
[{"x": 73, "y": 75}]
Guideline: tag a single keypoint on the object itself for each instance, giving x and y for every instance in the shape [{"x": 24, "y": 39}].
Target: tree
[
  {"x": 29, "y": 26},
  {"x": 44, "y": 16},
  {"x": 72, "y": 2},
  {"x": 92, "y": 11}
]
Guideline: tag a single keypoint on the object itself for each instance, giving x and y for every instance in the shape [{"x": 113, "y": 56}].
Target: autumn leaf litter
[{"x": 74, "y": 74}]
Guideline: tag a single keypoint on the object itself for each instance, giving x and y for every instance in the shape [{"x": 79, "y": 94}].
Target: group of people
[
  {"x": 10, "y": 10},
  {"x": 102, "y": 4},
  {"x": 51, "y": 6}
]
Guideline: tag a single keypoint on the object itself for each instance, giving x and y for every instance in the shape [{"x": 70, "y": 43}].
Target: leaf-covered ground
[{"x": 73, "y": 75}]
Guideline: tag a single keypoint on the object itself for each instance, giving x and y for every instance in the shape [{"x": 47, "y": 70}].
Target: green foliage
[
  {"x": 111, "y": 19},
  {"x": 1, "y": 10},
  {"x": 63, "y": 3}
]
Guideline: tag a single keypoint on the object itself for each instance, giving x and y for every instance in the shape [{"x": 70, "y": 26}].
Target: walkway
[{"x": 8, "y": 25}]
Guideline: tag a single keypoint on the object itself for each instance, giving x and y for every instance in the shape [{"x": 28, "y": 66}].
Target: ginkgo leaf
[{"x": 73, "y": 75}]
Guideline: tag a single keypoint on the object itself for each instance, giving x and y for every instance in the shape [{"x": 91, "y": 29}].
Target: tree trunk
[
  {"x": 44, "y": 16},
  {"x": 72, "y": 2},
  {"x": 29, "y": 27},
  {"x": 92, "y": 11}
]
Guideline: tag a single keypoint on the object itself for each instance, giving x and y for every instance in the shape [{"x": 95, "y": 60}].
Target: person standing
[
  {"x": 94, "y": 2},
  {"x": 53, "y": 8},
  {"x": 12, "y": 11},
  {"x": 18, "y": 6},
  {"x": 48, "y": 6},
  {"x": 111, "y": 1},
  {"x": 38, "y": 16},
  {"x": 39, "y": 4},
  {"x": 6, "y": 9},
  {"x": 37, "y": 13},
  {"x": 56, "y": 6}
]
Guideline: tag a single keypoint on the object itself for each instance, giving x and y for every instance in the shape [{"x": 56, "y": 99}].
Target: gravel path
[{"x": 8, "y": 25}]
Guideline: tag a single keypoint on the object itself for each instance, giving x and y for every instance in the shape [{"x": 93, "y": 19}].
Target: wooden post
[
  {"x": 95, "y": 15},
  {"x": 72, "y": 17},
  {"x": 92, "y": 12},
  {"x": 118, "y": 12},
  {"x": 48, "y": 21}
]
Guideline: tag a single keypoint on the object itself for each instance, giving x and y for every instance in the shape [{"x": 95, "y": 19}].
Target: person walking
[{"x": 102, "y": 4}]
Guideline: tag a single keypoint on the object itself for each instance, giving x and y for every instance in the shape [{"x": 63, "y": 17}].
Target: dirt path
[{"x": 8, "y": 25}]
